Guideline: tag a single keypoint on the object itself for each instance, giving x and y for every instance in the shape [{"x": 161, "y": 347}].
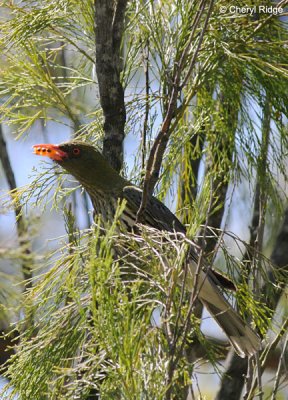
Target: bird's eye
[{"x": 76, "y": 151}]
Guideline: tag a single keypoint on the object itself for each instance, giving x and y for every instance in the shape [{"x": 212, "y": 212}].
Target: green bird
[{"x": 105, "y": 187}]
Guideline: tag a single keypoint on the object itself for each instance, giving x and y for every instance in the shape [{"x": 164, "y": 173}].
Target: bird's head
[{"x": 84, "y": 162}]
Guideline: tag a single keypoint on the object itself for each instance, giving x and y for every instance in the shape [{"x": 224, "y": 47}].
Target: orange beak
[{"x": 50, "y": 150}]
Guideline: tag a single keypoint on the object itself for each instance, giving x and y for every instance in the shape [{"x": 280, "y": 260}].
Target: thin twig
[
  {"x": 193, "y": 297},
  {"x": 161, "y": 141},
  {"x": 278, "y": 373},
  {"x": 264, "y": 357},
  {"x": 147, "y": 102},
  {"x": 195, "y": 54},
  {"x": 258, "y": 244},
  {"x": 281, "y": 4},
  {"x": 248, "y": 379}
]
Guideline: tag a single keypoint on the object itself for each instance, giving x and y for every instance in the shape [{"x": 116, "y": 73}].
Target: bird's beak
[{"x": 52, "y": 151}]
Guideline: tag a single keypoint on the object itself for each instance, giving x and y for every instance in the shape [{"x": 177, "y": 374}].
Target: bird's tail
[{"x": 244, "y": 340}]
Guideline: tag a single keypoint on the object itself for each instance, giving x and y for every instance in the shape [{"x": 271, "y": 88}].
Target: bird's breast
[{"x": 106, "y": 205}]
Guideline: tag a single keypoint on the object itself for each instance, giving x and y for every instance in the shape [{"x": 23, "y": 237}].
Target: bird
[{"x": 106, "y": 187}]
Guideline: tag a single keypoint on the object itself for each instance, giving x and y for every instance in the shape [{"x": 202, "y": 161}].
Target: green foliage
[
  {"x": 92, "y": 318},
  {"x": 33, "y": 80},
  {"x": 92, "y": 301},
  {"x": 93, "y": 310}
]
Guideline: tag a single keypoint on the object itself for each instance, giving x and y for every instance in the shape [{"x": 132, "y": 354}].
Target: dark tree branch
[
  {"x": 7, "y": 342},
  {"x": 20, "y": 222},
  {"x": 161, "y": 141},
  {"x": 109, "y": 27},
  {"x": 145, "y": 52}
]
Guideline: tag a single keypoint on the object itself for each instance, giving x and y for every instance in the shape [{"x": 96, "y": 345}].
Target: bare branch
[{"x": 161, "y": 141}]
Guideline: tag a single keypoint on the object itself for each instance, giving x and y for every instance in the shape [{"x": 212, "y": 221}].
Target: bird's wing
[{"x": 156, "y": 214}]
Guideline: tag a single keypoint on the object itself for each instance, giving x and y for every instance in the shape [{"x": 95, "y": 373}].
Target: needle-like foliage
[{"x": 208, "y": 84}]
